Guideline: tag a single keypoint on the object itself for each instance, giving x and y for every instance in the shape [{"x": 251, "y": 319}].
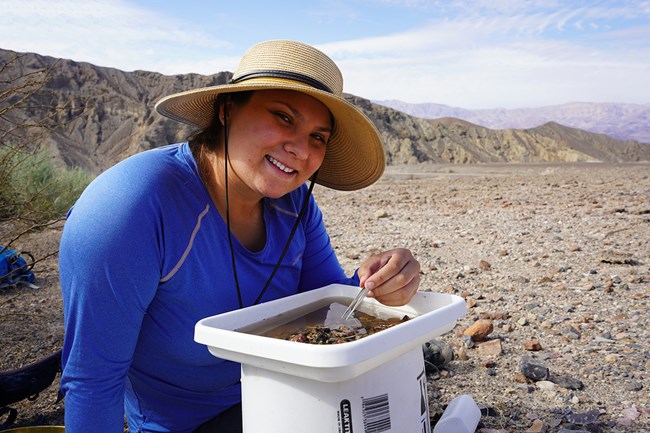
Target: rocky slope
[
  {"x": 622, "y": 121},
  {"x": 411, "y": 140},
  {"x": 105, "y": 115}
]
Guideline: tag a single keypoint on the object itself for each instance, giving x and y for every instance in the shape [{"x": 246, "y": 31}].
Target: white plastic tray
[{"x": 231, "y": 335}]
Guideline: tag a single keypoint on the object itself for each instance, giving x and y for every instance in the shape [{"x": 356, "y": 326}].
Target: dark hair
[{"x": 210, "y": 137}]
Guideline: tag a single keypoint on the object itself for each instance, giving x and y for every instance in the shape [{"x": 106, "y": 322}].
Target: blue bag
[{"x": 14, "y": 269}]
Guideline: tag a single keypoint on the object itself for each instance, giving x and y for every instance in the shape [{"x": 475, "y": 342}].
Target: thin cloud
[
  {"x": 108, "y": 33},
  {"x": 471, "y": 54},
  {"x": 513, "y": 58}
]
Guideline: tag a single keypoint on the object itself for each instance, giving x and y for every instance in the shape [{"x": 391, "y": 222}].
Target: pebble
[
  {"x": 583, "y": 418},
  {"x": 484, "y": 265},
  {"x": 490, "y": 349},
  {"x": 381, "y": 213},
  {"x": 468, "y": 342},
  {"x": 546, "y": 324},
  {"x": 533, "y": 369},
  {"x": 633, "y": 386},
  {"x": 437, "y": 354},
  {"x": 532, "y": 345},
  {"x": 480, "y": 330},
  {"x": 546, "y": 385},
  {"x": 538, "y": 426},
  {"x": 462, "y": 354},
  {"x": 565, "y": 381}
]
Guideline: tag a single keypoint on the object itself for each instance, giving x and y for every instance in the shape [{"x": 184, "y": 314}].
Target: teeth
[{"x": 279, "y": 165}]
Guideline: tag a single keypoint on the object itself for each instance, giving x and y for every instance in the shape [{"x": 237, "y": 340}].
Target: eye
[
  {"x": 284, "y": 117},
  {"x": 319, "y": 137},
  {"x": 322, "y": 139}
]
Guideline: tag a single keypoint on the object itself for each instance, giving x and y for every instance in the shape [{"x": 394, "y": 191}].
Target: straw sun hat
[{"x": 355, "y": 154}]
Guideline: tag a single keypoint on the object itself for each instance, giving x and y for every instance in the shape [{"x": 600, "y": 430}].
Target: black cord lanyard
[{"x": 303, "y": 208}]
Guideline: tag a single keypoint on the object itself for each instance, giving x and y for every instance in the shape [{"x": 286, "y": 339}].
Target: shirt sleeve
[
  {"x": 320, "y": 265},
  {"x": 110, "y": 266}
]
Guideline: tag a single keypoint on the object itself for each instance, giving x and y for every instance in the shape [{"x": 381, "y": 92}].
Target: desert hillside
[
  {"x": 104, "y": 115},
  {"x": 617, "y": 120}
]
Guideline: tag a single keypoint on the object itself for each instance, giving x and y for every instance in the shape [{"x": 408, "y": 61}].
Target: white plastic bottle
[{"x": 461, "y": 416}]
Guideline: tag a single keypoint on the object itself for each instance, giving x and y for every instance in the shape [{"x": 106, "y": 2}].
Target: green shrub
[{"x": 34, "y": 188}]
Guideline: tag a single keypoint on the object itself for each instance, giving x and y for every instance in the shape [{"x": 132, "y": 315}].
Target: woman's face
[{"x": 276, "y": 141}]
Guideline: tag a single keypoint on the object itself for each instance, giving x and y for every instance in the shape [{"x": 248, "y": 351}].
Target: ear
[
  {"x": 224, "y": 109},
  {"x": 221, "y": 114}
]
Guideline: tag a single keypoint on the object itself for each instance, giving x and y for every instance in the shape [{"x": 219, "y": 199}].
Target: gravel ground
[{"x": 555, "y": 259}]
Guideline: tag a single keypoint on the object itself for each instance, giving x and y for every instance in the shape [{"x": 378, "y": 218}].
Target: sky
[{"x": 468, "y": 54}]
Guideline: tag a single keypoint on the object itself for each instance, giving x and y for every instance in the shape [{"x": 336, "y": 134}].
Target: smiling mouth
[{"x": 279, "y": 165}]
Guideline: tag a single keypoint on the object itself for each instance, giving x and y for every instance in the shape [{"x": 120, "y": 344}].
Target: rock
[
  {"x": 631, "y": 413},
  {"x": 382, "y": 213},
  {"x": 572, "y": 333},
  {"x": 633, "y": 386},
  {"x": 538, "y": 426},
  {"x": 546, "y": 385},
  {"x": 436, "y": 354},
  {"x": 533, "y": 370},
  {"x": 480, "y": 330},
  {"x": 532, "y": 345},
  {"x": 484, "y": 265},
  {"x": 567, "y": 382},
  {"x": 468, "y": 342},
  {"x": 462, "y": 354},
  {"x": 490, "y": 349},
  {"x": 489, "y": 363},
  {"x": 626, "y": 422},
  {"x": 584, "y": 418}
]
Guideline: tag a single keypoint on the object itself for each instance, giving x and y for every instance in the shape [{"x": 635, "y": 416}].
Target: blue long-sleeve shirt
[{"x": 144, "y": 255}]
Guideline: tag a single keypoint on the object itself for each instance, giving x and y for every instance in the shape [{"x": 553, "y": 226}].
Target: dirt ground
[{"x": 557, "y": 255}]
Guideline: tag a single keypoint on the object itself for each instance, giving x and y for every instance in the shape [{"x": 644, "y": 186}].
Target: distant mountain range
[
  {"x": 105, "y": 115},
  {"x": 622, "y": 121}
]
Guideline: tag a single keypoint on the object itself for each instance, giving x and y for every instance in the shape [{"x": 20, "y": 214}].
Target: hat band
[{"x": 283, "y": 74}]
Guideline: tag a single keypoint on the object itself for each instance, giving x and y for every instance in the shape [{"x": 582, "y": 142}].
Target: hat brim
[{"x": 355, "y": 154}]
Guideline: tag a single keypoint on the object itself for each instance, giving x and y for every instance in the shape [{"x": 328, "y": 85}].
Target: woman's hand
[{"x": 392, "y": 277}]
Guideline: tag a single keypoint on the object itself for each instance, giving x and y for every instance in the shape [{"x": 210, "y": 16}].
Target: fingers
[{"x": 392, "y": 277}]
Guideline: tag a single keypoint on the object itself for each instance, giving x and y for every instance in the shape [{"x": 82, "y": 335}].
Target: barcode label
[{"x": 376, "y": 414}]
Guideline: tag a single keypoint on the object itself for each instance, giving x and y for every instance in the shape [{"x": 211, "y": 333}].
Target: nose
[{"x": 298, "y": 146}]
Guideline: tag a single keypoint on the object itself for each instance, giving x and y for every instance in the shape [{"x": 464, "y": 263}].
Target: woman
[{"x": 175, "y": 234}]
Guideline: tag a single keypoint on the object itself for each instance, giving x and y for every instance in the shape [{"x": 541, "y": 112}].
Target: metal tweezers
[{"x": 354, "y": 304}]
